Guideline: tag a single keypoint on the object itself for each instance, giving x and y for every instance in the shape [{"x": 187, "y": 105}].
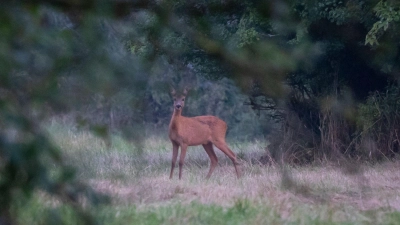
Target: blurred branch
[{"x": 118, "y": 8}]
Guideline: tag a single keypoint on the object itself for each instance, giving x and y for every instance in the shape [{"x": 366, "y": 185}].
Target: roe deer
[{"x": 199, "y": 130}]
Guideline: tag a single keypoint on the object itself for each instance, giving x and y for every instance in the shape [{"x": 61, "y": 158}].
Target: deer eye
[{"x": 183, "y": 99}]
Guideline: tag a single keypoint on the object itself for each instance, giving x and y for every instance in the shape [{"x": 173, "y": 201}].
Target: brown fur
[{"x": 199, "y": 130}]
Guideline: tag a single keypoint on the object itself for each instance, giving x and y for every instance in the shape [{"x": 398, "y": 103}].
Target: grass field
[{"x": 142, "y": 193}]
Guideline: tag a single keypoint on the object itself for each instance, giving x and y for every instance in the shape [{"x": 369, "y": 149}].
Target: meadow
[{"x": 136, "y": 177}]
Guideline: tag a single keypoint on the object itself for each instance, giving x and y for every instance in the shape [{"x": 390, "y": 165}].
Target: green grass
[
  {"x": 142, "y": 193},
  {"x": 241, "y": 212}
]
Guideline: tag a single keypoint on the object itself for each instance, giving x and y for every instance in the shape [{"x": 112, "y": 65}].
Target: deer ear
[
  {"x": 185, "y": 91},
  {"x": 173, "y": 92}
]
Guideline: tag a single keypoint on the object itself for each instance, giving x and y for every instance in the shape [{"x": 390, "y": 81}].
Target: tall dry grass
[{"x": 140, "y": 178}]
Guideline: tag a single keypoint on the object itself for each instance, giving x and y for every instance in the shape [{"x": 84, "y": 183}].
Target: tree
[
  {"x": 46, "y": 66},
  {"x": 324, "y": 95}
]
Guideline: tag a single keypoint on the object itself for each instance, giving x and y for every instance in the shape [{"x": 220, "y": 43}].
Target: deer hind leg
[
  {"x": 221, "y": 144},
  {"x": 213, "y": 158},
  {"x": 175, "y": 148},
  {"x": 182, "y": 159}
]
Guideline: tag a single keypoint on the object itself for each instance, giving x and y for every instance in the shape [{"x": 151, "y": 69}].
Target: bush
[{"x": 378, "y": 122}]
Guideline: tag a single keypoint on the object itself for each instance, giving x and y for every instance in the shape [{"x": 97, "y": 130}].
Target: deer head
[{"x": 179, "y": 100}]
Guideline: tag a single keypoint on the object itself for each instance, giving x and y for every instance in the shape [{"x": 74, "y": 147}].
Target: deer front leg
[
  {"x": 175, "y": 148},
  {"x": 182, "y": 159}
]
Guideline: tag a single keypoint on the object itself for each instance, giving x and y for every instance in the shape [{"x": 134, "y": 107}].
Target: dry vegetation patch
[
  {"x": 139, "y": 183},
  {"x": 377, "y": 187}
]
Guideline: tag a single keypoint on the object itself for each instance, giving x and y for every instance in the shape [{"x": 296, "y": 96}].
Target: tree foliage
[
  {"x": 324, "y": 96},
  {"x": 48, "y": 65},
  {"x": 388, "y": 13}
]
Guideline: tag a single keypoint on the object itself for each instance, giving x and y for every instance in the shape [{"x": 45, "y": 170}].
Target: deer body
[{"x": 199, "y": 130}]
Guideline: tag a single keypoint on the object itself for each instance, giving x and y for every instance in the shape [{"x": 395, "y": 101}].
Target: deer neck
[
  {"x": 174, "y": 123},
  {"x": 176, "y": 115}
]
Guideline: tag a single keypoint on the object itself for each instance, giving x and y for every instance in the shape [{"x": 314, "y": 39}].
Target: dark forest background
[{"x": 318, "y": 79}]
